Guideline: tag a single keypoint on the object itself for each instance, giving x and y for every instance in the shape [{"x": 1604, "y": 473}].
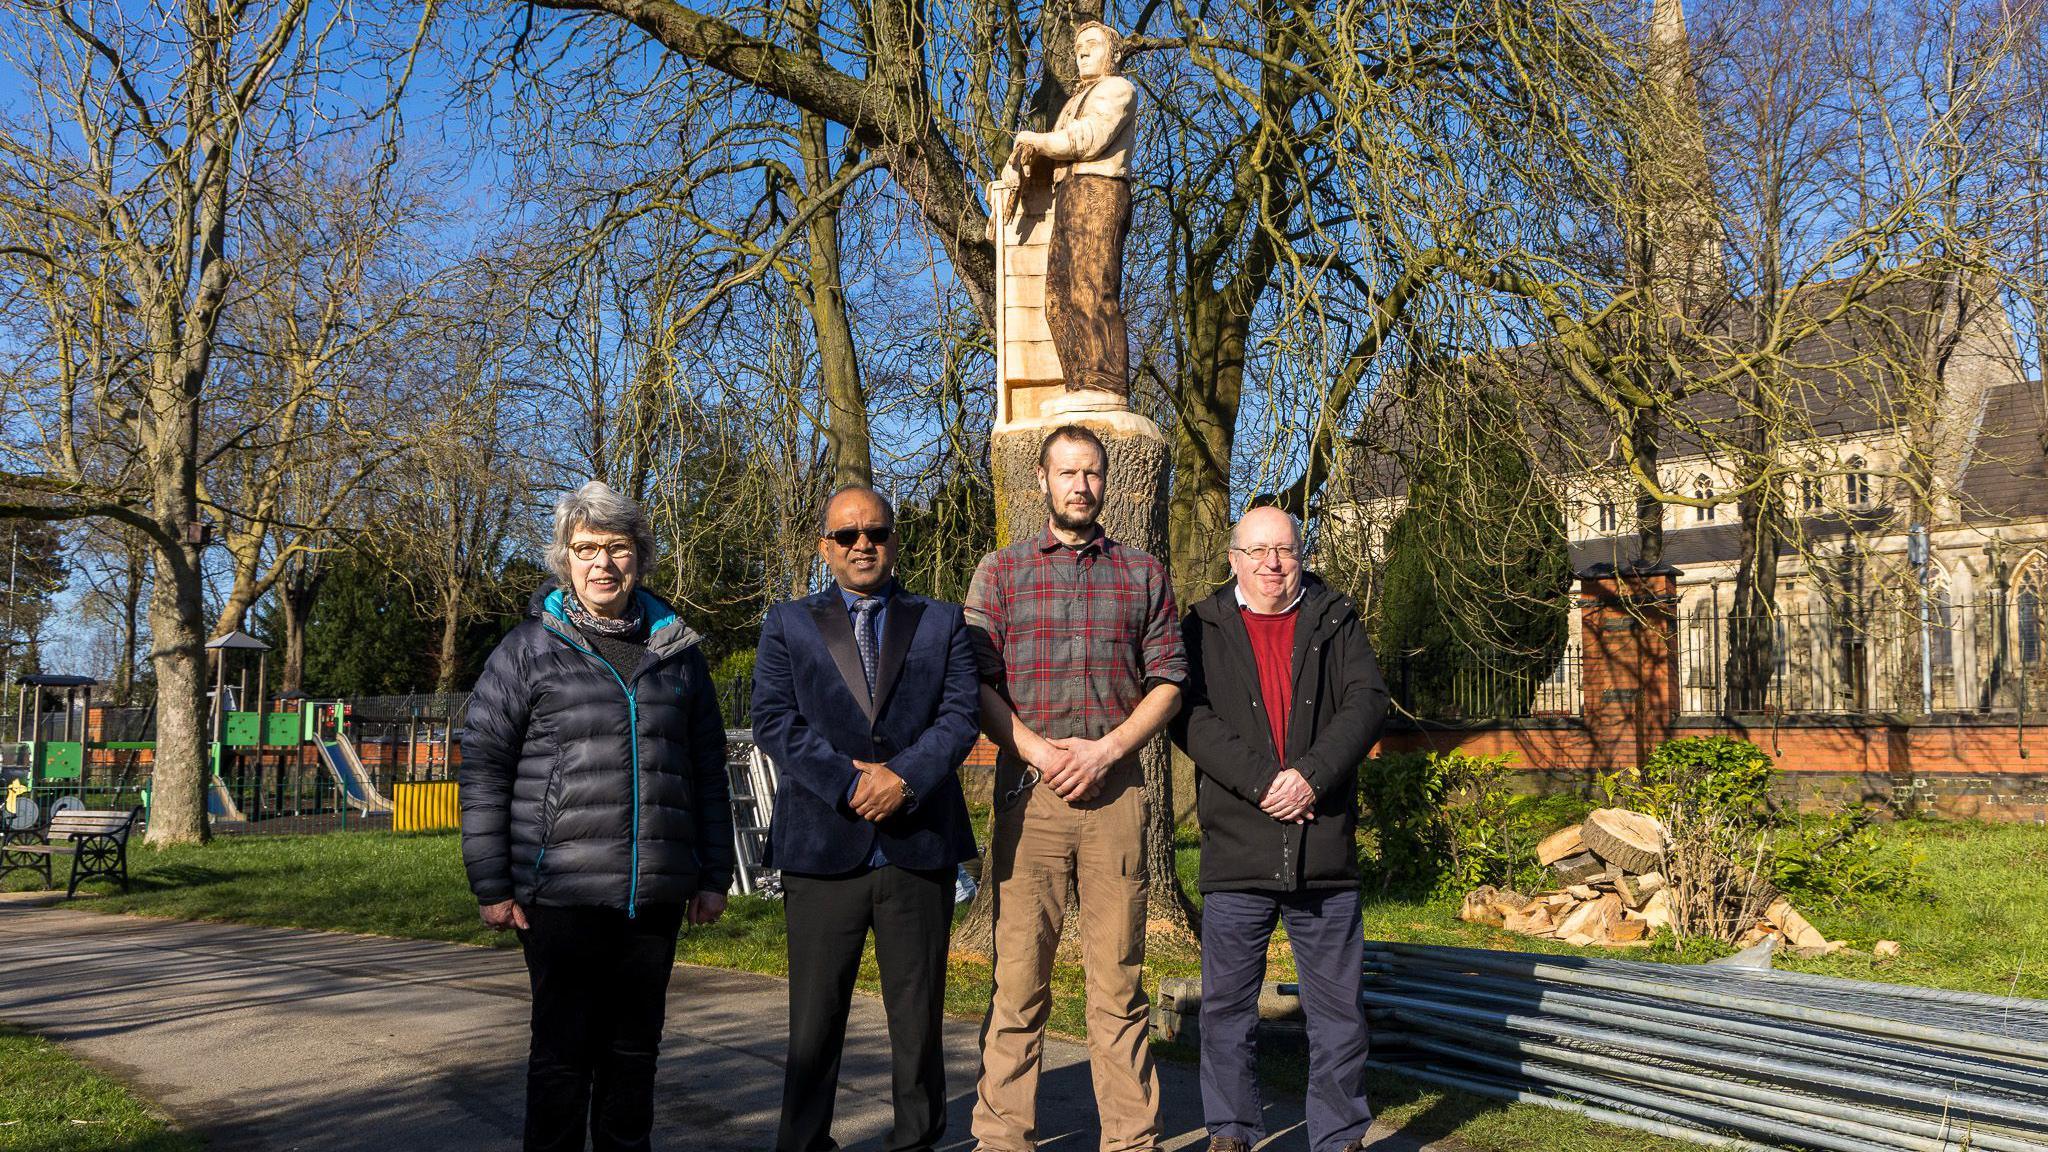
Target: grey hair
[
  {"x": 598, "y": 507},
  {"x": 1293, "y": 522},
  {"x": 825, "y": 509}
]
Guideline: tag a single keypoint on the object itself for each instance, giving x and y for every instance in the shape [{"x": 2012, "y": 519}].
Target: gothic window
[
  {"x": 1610, "y": 516},
  {"x": 2030, "y": 627},
  {"x": 1858, "y": 483},
  {"x": 1703, "y": 489},
  {"x": 1809, "y": 493}
]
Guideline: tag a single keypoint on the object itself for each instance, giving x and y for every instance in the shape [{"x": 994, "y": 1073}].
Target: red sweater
[{"x": 1273, "y": 651}]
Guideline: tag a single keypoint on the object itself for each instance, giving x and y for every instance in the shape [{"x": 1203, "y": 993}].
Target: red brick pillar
[{"x": 1628, "y": 622}]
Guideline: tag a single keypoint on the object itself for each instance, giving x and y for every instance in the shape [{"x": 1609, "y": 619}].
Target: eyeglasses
[
  {"x": 617, "y": 550},
  {"x": 845, "y": 537},
  {"x": 1280, "y": 552}
]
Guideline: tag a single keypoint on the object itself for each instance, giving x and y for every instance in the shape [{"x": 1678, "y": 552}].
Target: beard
[{"x": 1067, "y": 520}]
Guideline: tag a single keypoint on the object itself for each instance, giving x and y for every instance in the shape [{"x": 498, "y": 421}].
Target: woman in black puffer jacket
[{"x": 595, "y": 818}]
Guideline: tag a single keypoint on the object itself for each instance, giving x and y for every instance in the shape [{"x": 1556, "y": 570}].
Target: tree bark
[
  {"x": 850, "y": 454},
  {"x": 296, "y": 593}
]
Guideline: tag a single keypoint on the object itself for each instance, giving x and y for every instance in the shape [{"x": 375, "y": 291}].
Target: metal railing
[
  {"x": 1474, "y": 686},
  {"x": 1984, "y": 658}
]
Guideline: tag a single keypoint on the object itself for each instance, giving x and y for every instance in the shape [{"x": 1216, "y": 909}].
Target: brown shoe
[{"x": 1228, "y": 1144}]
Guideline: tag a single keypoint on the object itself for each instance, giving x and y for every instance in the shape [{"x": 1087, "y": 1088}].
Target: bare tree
[{"x": 126, "y": 180}]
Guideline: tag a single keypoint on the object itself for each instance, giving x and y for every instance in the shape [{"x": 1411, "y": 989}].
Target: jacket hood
[
  {"x": 666, "y": 631},
  {"x": 1317, "y": 598}
]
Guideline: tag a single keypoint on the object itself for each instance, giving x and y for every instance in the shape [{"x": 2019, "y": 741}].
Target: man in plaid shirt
[{"x": 1081, "y": 663}]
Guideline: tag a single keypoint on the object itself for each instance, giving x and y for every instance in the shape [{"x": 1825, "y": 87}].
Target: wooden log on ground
[
  {"x": 1558, "y": 845},
  {"x": 1629, "y": 840},
  {"x": 1578, "y": 869}
]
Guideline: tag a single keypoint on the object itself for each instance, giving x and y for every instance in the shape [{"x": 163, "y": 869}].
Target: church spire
[{"x": 1678, "y": 247}]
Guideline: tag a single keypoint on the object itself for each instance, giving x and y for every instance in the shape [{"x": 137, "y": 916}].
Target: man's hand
[
  {"x": 706, "y": 907},
  {"x": 1088, "y": 761},
  {"x": 1289, "y": 799},
  {"x": 878, "y": 794},
  {"x": 503, "y": 915}
]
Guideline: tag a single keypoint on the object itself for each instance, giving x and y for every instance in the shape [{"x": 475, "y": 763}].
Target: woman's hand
[
  {"x": 707, "y": 907},
  {"x": 502, "y": 915}
]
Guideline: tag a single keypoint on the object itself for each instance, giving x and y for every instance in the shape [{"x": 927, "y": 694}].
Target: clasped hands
[
  {"x": 878, "y": 793},
  {"x": 1074, "y": 767},
  {"x": 1290, "y": 798}
]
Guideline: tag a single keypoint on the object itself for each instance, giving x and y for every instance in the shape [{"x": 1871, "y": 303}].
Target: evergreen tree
[
  {"x": 1473, "y": 613},
  {"x": 366, "y": 636}
]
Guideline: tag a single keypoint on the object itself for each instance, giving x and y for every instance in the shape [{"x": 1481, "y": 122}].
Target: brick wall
[{"x": 1964, "y": 766}]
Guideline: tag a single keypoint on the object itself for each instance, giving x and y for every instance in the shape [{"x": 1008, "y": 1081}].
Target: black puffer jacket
[
  {"x": 582, "y": 788},
  {"x": 1340, "y": 701}
]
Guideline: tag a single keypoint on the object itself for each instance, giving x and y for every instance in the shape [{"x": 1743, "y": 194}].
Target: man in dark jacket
[
  {"x": 866, "y": 698},
  {"x": 1284, "y": 700},
  {"x": 595, "y": 817}
]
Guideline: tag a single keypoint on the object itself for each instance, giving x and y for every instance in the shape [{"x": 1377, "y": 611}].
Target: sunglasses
[{"x": 846, "y": 537}]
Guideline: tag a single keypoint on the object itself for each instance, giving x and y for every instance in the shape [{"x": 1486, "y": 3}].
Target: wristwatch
[{"x": 909, "y": 793}]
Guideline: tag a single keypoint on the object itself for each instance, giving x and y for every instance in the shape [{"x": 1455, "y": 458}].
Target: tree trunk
[
  {"x": 1649, "y": 510},
  {"x": 296, "y": 594},
  {"x": 1752, "y": 618},
  {"x": 131, "y": 611},
  {"x": 1204, "y": 438},
  {"x": 850, "y": 457},
  {"x": 448, "y": 662},
  {"x": 177, "y": 812}
]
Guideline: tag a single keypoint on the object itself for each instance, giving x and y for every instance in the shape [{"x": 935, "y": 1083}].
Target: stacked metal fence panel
[{"x": 1719, "y": 1055}]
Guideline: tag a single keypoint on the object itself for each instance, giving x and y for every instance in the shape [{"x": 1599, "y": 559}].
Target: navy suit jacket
[{"x": 813, "y": 717}]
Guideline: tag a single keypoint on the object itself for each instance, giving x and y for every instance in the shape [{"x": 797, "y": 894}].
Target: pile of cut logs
[{"x": 1617, "y": 891}]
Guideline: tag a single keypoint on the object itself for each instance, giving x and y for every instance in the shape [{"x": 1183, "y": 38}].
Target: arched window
[
  {"x": 2030, "y": 627},
  {"x": 1610, "y": 516},
  {"x": 1703, "y": 489},
  {"x": 1941, "y": 635},
  {"x": 1809, "y": 493},
  {"x": 1857, "y": 482}
]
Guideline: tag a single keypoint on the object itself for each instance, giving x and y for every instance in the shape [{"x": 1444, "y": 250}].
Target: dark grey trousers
[{"x": 1329, "y": 954}]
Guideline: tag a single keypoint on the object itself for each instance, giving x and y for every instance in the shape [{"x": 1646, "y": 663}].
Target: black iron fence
[
  {"x": 1473, "y": 686},
  {"x": 1885, "y": 658}
]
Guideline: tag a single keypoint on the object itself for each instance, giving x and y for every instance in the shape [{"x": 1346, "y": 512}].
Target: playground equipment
[
  {"x": 31, "y": 763},
  {"x": 328, "y": 732},
  {"x": 263, "y": 762}
]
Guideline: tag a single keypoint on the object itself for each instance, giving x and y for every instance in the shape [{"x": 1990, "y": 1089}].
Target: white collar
[{"x": 1238, "y": 591}]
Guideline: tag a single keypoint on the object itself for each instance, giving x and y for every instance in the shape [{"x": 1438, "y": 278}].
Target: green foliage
[
  {"x": 1724, "y": 784},
  {"x": 1844, "y": 858},
  {"x": 1472, "y": 613},
  {"x": 365, "y": 635},
  {"x": 1726, "y": 778},
  {"x": 943, "y": 538},
  {"x": 1443, "y": 821}
]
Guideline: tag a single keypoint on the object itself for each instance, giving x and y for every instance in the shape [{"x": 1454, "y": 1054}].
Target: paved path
[{"x": 273, "y": 1039}]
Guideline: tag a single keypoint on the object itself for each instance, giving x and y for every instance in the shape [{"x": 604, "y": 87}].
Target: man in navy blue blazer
[{"x": 866, "y": 698}]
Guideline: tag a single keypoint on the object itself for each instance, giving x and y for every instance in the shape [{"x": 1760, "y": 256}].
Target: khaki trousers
[{"x": 1043, "y": 848}]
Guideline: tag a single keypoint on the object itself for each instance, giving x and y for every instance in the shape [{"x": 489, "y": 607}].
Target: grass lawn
[{"x": 52, "y": 1103}]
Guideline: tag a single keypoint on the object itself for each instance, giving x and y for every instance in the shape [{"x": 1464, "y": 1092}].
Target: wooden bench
[{"x": 95, "y": 838}]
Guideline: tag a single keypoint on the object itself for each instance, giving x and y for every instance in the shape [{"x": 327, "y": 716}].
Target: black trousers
[
  {"x": 600, "y": 993},
  {"x": 911, "y": 913}
]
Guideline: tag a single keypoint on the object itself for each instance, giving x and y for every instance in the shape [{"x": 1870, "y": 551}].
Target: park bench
[{"x": 95, "y": 838}]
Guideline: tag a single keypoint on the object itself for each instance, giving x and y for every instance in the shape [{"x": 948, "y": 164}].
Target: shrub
[
  {"x": 1443, "y": 820},
  {"x": 1841, "y": 858},
  {"x": 1727, "y": 779}
]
